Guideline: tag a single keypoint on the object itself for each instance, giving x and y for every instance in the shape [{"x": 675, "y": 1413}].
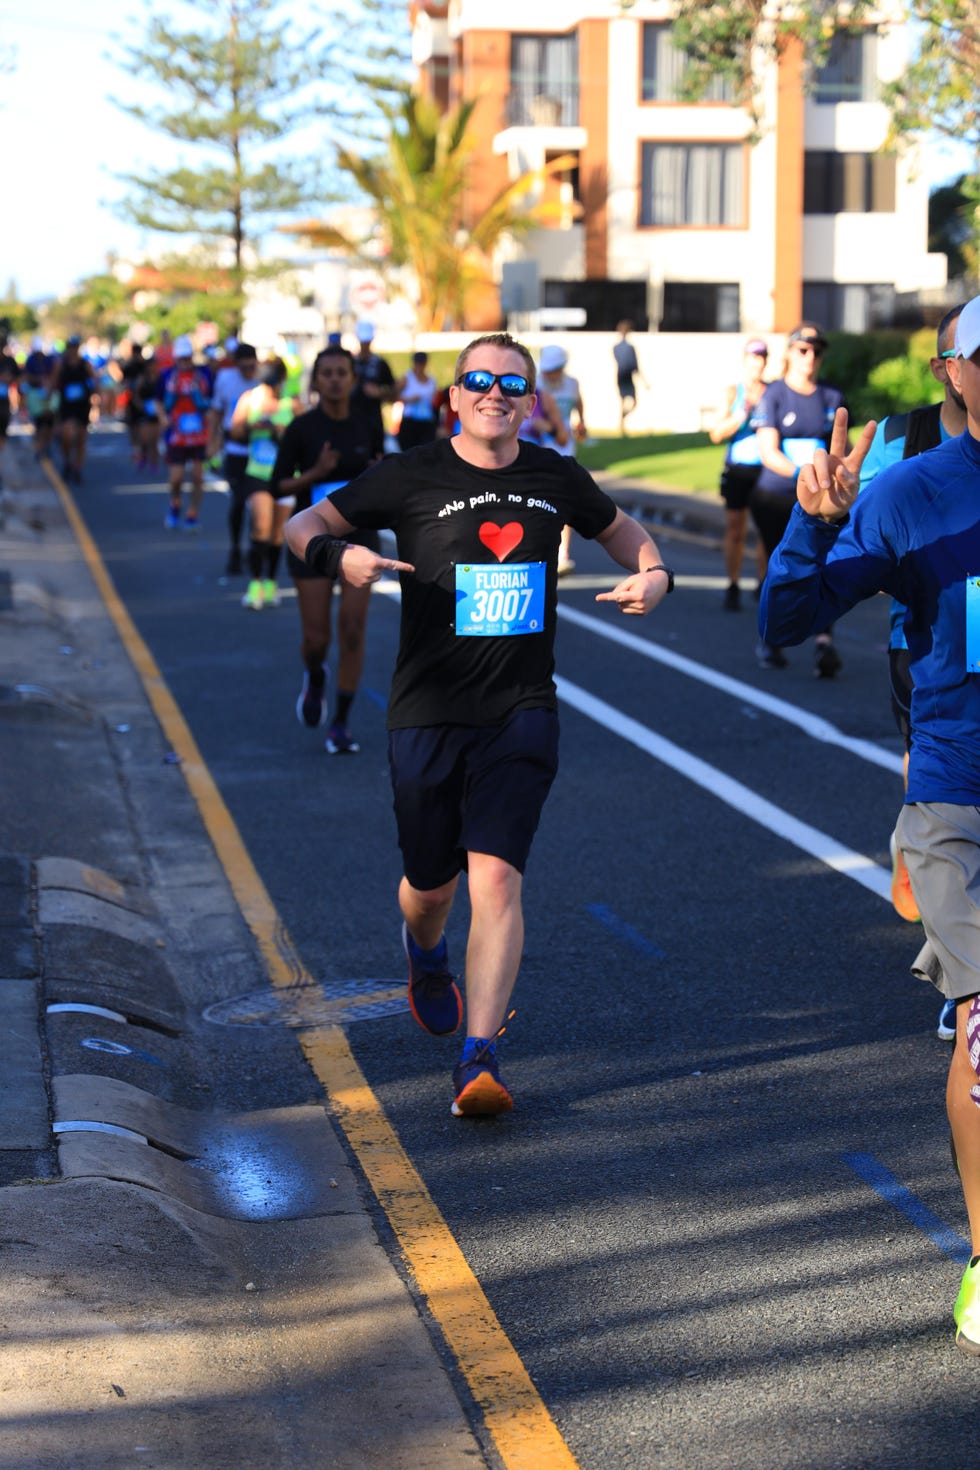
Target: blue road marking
[
  {"x": 375, "y": 697},
  {"x": 884, "y": 1183},
  {"x": 621, "y": 930}
]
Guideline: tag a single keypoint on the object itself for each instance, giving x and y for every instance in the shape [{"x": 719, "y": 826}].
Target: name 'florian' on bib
[{"x": 495, "y": 601}]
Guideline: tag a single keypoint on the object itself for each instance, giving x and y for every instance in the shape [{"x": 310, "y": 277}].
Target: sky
[{"x": 64, "y": 140}]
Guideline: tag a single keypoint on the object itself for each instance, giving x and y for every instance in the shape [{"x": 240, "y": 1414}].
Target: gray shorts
[{"x": 941, "y": 845}]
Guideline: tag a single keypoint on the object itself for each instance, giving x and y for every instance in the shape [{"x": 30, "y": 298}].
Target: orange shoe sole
[{"x": 483, "y": 1097}]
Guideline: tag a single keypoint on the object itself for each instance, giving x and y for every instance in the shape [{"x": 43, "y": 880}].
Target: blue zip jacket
[{"x": 914, "y": 533}]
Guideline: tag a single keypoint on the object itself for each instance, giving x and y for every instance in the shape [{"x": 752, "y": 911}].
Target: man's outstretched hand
[{"x": 829, "y": 486}]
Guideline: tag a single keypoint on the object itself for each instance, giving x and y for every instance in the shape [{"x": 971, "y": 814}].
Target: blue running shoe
[
  {"x": 172, "y": 520},
  {"x": 946, "y": 1030},
  {"x": 433, "y": 995},
  {"x": 479, "y": 1092}
]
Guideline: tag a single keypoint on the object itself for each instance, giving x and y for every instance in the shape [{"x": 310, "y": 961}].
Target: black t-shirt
[
  {"x": 357, "y": 439},
  {"x": 371, "y": 369},
  {"x": 451, "y": 518}
]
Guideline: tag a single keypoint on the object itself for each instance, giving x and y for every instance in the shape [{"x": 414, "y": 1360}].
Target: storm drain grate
[{"x": 326, "y": 1003}]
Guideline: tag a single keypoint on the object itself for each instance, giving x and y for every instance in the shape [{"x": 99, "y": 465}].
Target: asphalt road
[{"x": 713, "y": 1228}]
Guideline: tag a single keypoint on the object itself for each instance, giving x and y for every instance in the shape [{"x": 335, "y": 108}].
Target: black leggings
[{"x": 770, "y": 511}]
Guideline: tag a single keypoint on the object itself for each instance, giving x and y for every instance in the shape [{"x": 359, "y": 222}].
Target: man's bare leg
[{"x": 496, "y": 942}]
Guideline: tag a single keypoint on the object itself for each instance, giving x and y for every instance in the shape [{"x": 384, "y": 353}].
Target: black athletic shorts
[
  {"x": 737, "y": 484},
  {"x": 470, "y": 788},
  {"x": 900, "y": 679}
]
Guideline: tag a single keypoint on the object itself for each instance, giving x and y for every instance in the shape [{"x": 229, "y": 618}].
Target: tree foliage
[
  {"x": 232, "y": 91},
  {"x": 416, "y": 186},
  {"x": 939, "y": 95},
  {"x": 726, "y": 38}
]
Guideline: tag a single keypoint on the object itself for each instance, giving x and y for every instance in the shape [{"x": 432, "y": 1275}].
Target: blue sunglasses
[{"x": 512, "y": 385}]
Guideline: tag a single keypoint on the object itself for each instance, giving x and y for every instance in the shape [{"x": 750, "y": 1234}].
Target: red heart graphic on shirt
[{"x": 501, "y": 539}]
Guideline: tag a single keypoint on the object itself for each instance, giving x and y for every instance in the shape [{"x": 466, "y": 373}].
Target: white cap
[
  {"x": 183, "y": 347},
  {"x": 968, "y": 329},
  {"x": 364, "y": 331},
  {"x": 553, "y": 357}
]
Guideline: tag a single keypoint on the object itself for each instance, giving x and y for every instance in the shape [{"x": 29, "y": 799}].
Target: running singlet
[
  {"x": 263, "y": 444},
  {"x": 743, "y": 447},
  {"x": 484, "y": 544},
  {"x": 185, "y": 399}
]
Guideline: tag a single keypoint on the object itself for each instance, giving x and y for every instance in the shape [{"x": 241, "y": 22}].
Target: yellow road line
[{"x": 524, "y": 1433}]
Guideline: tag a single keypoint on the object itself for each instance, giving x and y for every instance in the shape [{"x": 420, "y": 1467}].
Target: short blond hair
[{"x": 509, "y": 344}]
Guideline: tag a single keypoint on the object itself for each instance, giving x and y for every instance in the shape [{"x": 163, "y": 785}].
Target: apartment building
[{"x": 667, "y": 212}]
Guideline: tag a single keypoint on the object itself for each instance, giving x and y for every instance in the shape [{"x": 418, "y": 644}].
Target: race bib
[
  {"x": 264, "y": 451},
  {"x": 973, "y": 625},
  {"x": 73, "y": 392},
  {"x": 189, "y": 423},
  {"x": 150, "y": 408},
  {"x": 801, "y": 451},
  {"x": 495, "y": 601},
  {"x": 320, "y": 492},
  {"x": 4, "y": 390}
]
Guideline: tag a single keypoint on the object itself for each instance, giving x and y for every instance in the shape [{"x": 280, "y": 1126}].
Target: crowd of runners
[{"x": 481, "y": 489}]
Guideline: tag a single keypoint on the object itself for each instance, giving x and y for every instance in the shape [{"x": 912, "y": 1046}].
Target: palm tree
[{"x": 417, "y": 187}]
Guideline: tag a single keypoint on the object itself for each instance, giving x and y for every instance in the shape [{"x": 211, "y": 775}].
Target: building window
[
  {"x": 694, "y": 184},
  {"x": 849, "y": 307},
  {"x": 543, "y": 81},
  {"x": 664, "y": 66},
  {"x": 850, "y": 73},
  {"x": 605, "y": 303},
  {"x": 701, "y": 306},
  {"x": 846, "y": 183}
]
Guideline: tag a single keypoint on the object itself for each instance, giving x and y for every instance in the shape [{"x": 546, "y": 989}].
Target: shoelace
[{"x": 489, "y": 1045}]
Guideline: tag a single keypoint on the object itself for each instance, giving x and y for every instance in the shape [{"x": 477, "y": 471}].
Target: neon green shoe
[
  {"x": 966, "y": 1312},
  {"x": 270, "y": 594},
  {"x": 253, "y": 597}
]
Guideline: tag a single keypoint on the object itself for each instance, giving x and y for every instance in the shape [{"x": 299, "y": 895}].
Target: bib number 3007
[{"x": 500, "y": 602}]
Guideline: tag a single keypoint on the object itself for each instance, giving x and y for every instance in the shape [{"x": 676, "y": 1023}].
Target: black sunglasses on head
[{"x": 512, "y": 385}]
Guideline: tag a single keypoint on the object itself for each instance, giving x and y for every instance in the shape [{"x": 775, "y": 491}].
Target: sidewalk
[{"x": 159, "y": 1310}]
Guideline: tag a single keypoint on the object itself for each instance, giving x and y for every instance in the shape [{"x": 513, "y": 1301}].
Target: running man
[
  {"x": 185, "y": 394},
  {"x": 915, "y": 533},
  {"x": 627, "y": 371},
  {"x": 733, "y": 427},
  {"x": 472, "y": 715},
  {"x": 74, "y": 394}
]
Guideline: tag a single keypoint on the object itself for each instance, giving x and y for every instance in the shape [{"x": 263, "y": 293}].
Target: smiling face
[{"x": 488, "y": 422}]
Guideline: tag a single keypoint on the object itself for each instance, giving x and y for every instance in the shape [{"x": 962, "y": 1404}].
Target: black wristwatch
[{"x": 660, "y": 568}]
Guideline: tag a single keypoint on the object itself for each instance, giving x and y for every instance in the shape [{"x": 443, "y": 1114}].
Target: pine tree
[{"x": 234, "y": 90}]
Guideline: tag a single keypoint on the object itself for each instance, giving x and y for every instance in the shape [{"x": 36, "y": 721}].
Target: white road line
[
  {"x": 812, "y": 725},
  {"x": 746, "y": 802}
]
